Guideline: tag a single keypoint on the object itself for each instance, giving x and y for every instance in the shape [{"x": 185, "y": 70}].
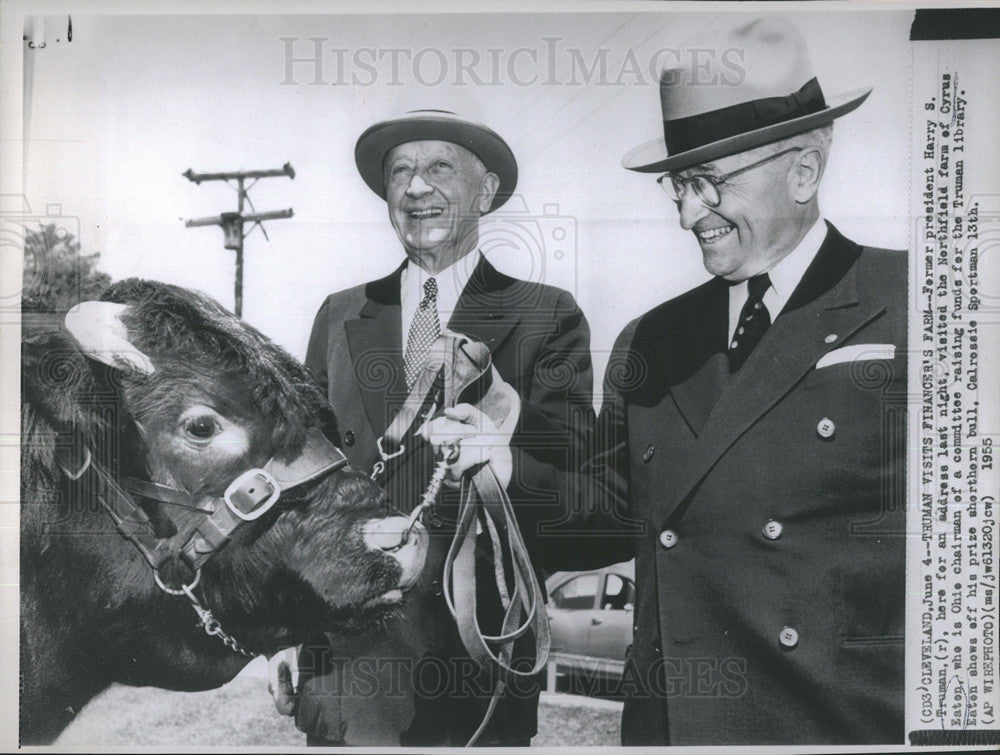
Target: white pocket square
[{"x": 857, "y": 352}]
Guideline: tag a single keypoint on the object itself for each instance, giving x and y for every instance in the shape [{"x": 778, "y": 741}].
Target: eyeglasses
[
  {"x": 706, "y": 187},
  {"x": 437, "y": 172}
]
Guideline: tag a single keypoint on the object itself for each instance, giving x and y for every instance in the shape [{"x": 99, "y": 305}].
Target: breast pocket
[{"x": 861, "y": 374}]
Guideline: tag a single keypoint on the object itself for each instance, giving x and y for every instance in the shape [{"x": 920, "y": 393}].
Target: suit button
[
  {"x": 648, "y": 453},
  {"x": 788, "y": 637},
  {"x": 825, "y": 428},
  {"x": 772, "y": 530},
  {"x": 668, "y": 538},
  {"x": 349, "y": 438}
]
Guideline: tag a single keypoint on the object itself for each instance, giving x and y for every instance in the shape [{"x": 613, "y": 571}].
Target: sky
[{"x": 118, "y": 114}]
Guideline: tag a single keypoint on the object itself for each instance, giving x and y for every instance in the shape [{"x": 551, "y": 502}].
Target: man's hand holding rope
[{"x": 480, "y": 436}]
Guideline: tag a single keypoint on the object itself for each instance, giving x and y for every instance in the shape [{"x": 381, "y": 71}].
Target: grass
[{"x": 242, "y": 714}]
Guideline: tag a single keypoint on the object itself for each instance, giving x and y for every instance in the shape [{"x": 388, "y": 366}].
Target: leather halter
[{"x": 252, "y": 494}]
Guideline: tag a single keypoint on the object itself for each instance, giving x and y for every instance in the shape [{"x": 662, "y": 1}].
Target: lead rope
[
  {"x": 427, "y": 503},
  {"x": 481, "y": 494},
  {"x": 505, "y": 602}
]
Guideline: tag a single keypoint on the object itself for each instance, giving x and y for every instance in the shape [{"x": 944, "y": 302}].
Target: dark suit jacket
[
  {"x": 769, "y": 512},
  {"x": 540, "y": 344}
]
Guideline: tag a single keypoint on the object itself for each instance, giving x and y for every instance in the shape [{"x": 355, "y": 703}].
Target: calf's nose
[
  {"x": 401, "y": 540},
  {"x": 385, "y": 534}
]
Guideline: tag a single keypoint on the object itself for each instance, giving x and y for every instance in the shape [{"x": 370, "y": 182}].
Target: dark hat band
[{"x": 696, "y": 131}]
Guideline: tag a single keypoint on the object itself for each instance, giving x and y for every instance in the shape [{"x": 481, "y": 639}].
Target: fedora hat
[
  {"x": 438, "y": 124},
  {"x": 758, "y": 87}
]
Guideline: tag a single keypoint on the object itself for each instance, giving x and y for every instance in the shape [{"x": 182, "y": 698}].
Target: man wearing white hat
[
  {"x": 438, "y": 172},
  {"x": 753, "y": 431}
]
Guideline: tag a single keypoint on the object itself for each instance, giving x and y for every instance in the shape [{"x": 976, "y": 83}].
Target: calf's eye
[{"x": 201, "y": 428}]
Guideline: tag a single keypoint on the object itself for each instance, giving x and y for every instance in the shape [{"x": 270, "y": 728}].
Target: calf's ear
[{"x": 98, "y": 330}]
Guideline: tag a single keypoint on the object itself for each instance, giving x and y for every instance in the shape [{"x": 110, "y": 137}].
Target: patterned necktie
[
  {"x": 754, "y": 320},
  {"x": 423, "y": 330}
]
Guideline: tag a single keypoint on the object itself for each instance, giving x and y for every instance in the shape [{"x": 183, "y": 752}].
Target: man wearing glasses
[
  {"x": 752, "y": 435},
  {"x": 413, "y": 683}
]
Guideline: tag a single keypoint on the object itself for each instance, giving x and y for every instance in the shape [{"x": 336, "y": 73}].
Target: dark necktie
[
  {"x": 754, "y": 320},
  {"x": 423, "y": 330}
]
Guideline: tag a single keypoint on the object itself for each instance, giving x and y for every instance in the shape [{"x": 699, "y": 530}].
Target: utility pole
[{"x": 232, "y": 222}]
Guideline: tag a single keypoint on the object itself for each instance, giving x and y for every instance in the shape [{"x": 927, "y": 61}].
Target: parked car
[{"x": 591, "y": 618}]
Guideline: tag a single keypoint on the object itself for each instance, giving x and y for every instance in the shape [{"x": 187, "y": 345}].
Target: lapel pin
[{"x": 831, "y": 338}]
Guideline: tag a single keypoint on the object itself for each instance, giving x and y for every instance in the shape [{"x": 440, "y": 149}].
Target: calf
[{"x": 160, "y": 400}]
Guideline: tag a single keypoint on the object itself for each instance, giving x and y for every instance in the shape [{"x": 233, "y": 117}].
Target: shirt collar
[
  {"x": 451, "y": 282},
  {"x": 785, "y": 276},
  {"x": 788, "y": 271}
]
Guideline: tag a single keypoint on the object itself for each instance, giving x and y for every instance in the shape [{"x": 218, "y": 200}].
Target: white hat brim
[{"x": 652, "y": 156}]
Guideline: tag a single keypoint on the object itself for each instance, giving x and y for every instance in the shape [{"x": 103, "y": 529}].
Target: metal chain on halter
[{"x": 213, "y": 627}]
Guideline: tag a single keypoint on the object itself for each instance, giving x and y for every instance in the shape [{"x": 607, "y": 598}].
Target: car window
[
  {"x": 619, "y": 592},
  {"x": 578, "y": 593}
]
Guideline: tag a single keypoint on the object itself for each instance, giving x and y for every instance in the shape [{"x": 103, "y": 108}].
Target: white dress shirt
[
  {"x": 785, "y": 276},
  {"x": 450, "y": 281}
]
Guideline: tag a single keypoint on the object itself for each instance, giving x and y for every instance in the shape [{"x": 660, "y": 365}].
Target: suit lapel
[
  {"x": 485, "y": 311},
  {"x": 487, "y": 307},
  {"x": 375, "y": 342},
  {"x": 698, "y": 368},
  {"x": 826, "y": 303}
]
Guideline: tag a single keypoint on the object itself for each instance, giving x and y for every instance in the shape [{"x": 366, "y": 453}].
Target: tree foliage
[{"x": 57, "y": 274}]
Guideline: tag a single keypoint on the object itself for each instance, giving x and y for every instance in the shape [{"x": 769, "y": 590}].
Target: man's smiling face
[
  {"x": 754, "y": 225},
  {"x": 436, "y": 192}
]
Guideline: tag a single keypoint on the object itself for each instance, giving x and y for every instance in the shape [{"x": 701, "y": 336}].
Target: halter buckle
[{"x": 256, "y": 492}]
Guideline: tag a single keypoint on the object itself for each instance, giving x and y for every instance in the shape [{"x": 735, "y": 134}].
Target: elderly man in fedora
[
  {"x": 413, "y": 683},
  {"x": 752, "y": 435}
]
